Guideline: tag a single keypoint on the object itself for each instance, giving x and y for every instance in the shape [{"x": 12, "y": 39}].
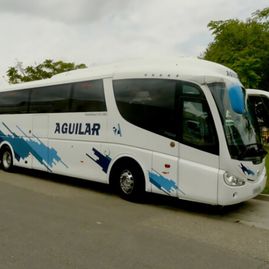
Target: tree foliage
[
  {"x": 46, "y": 69},
  {"x": 244, "y": 47}
]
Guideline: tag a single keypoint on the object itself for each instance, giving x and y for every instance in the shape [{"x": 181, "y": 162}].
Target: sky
[{"x": 97, "y": 32}]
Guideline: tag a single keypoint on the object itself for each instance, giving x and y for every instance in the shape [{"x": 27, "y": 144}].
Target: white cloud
[
  {"x": 67, "y": 11},
  {"x": 97, "y": 31}
]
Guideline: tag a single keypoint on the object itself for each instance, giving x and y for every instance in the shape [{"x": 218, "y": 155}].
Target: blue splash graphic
[
  {"x": 246, "y": 170},
  {"x": 165, "y": 184},
  {"x": 103, "y": 160},
  {"x": 24, "y": 146}
]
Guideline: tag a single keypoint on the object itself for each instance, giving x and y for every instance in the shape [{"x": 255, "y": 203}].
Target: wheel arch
[
  {"x": 4, "y": 145},
  {"x": 120, "y": 162},
  {"x": 6, "y": 161}
]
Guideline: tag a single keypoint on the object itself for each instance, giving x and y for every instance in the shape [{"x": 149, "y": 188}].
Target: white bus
[{"x": 178, "y": 128}]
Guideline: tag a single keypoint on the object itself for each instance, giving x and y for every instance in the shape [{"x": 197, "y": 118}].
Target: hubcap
[
  {"x": 7, "y": 159},
  {"x": 127, "y": 182}
]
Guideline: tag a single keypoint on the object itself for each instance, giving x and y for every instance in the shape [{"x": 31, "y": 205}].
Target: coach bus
[{"x": 174, "y": 127}]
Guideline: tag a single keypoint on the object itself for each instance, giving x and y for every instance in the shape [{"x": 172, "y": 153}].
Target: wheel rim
[
  {"x": 7, "y": 159},
  {"x": 127, "y": 182}
]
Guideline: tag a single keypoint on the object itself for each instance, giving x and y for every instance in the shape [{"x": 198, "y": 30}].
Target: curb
[{"x": 263, "y": 197}]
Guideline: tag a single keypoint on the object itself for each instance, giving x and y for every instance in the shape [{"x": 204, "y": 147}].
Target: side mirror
[{"x": 237, "y": 100}]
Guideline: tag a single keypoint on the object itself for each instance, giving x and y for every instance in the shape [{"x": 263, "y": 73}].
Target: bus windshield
[{"x": 240, "y": 127}]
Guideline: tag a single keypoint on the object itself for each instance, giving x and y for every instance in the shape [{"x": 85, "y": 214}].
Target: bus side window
[
  {"x": 88, "y": 96},
  {"x": 148, "y": 103},
  {"x": 51, "y": 99},
  {"x": 14, "y": 102}
]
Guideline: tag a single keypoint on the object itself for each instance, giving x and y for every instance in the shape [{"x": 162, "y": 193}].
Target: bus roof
[
  {"x": 178, "y": 68},
  {"x": 257, "y": 92}
]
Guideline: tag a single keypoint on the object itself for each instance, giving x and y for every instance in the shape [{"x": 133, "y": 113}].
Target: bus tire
[
  {"x": 128, "y": 180},
  {"x": 6, "y": 159}
]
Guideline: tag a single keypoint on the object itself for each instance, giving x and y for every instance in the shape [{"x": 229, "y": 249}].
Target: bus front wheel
[
  {"x": 6, "y": 159},
  {"x": 128, "y": 179}
]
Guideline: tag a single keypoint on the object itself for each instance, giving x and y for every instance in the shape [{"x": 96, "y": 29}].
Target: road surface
[{"x": 49, "y": 221}]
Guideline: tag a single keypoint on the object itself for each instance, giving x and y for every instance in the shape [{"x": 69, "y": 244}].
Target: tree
[
  {"x": 46, "y": 69},
  {"x": 244, "y": 47}
]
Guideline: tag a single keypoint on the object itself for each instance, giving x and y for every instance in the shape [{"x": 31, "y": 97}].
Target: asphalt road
[{"x": 48, "y": 221}]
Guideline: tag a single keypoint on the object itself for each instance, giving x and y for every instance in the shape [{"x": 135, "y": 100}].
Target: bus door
[
  {"x": 39, "y": 142},
  {"x": 199, "y": 150}
]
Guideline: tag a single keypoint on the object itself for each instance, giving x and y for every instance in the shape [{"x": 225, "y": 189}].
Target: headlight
[{"x": 232, "y": 180}]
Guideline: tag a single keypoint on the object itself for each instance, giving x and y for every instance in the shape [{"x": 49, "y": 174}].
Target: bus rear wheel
[
  {"x": 129, "y": 181},
  {"x": 6, "y": 159}
]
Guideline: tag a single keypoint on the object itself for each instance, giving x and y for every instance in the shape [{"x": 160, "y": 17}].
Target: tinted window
[
  {"x": 88, "y": 96},
  {"x": 14, "y": 102},
  {"x": 259, "y": 110},
  {"x": 198, "y": 128},
  {"x": 52, "y": 99},
  {"x": 260, "y": 107},
  {"x": 189, "y": 89},
  {"x": 148, "y": 103}
]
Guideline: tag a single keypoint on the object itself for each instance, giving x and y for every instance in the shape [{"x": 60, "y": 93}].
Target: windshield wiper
[{"x": 252, "y": 150}]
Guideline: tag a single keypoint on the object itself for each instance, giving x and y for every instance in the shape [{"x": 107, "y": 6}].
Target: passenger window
[
  {"x": 148, "y": 103},
  {"x": 88, "y": 96},
  {"x": 14, "y": 102},
  {"x": 52, "y": 99}
]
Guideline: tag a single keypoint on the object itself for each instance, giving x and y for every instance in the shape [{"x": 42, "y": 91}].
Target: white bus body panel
[
  {"x": 77, "y": 137},
  {"x": 198, "y": 175}
]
